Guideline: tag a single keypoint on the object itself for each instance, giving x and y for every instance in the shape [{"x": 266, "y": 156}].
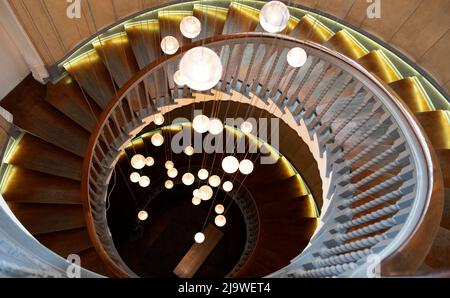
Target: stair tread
[
  {"x": 47, "y": 218},
  {"x": 378, "y": 64},
  {"x": 310, "y": 28},
  {"x": 91, "y": 75},
  {"x": 411, "y": 93},
  {"x": 118, "y": 58},
  {"x": 144, "y": 38},
  {"x": 29, "y": 186},
  {"x": 437, "y": 127},
  {"x": 213, "y": 17},
  {"x": 345, "y": 44},
  {"x": 240, "y": 18},
  {"x": 69, "y": 99},
  {"x": 66, "y": 242},
  {"x": 35, "y": 154}
]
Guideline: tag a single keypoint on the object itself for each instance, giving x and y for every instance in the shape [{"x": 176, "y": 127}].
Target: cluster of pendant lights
[{"x": 201, "y": 69}]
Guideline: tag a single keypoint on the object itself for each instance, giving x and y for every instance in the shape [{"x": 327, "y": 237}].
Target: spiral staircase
[{"x": 358, "y": 113}]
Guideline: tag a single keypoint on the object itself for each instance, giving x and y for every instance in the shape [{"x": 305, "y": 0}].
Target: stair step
[
  {"x": 436, "y": 125},
  {"x": 302, "y": 207},
  {"x": 68, "y": 242},
  {"x": 33, "y": 114},
  {"x": 36, "y": 154},
  {"x": 145, "y": 39},
  {"x": 438, "y": 255},
  {"x": 443, "y": 156},
  {"x": 310, "y": 28},
  {"x": 47, "y": 218},
  {"x": 287, "y": 188},
  {"x": 91, "y": 74},
  {"x": 68, "y": 98},
  {"x": 28, "y": 186},
  {"x": 91, "y": 261},
  {"x": 412, "y": 94},
  {"x": 344, "y": 43},
  {"x": 240, "y": 18},
  {"x": 377, "y": 63},
  {"x": 118, "y": 57},
  {"x": 213, "y": 19}
]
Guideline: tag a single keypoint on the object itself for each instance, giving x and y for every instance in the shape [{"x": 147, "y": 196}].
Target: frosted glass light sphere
[
  {"x": 149, "y": 161},
  {"x": 220, "y": 220},
  {"x": 200, "y": 123},
  {"x": 230, "y": 164},
  {"x": 188, "y": 179},
  {"x": 159, "y": 119},
  {"x": 214, "y": 180},
  {"x": 168, "y": 184},
  {"x": 196, "y": 193},
  {"x": 246, "y": 127},
  {"x": 203, "y": 174},
  {"x": 274, "y": 16},
  {"x": 134, "y": 177},
  {"x": 202, "y": 68},
  {"x": 169, "y": 164},
  {"x": 169, "y": 45},
  {"x": 296, "y": 57},
  {"x": 199, "y": 238},
  {"x": 246, "y": 166},
  {"x": 144, "y": 181},
  {"x": 157, "y": 139},
  {"x": 172, "y": 173},
  {"x": 215, "y": 126},
  {"x": 227, "y": 186},
  {"x": 190, "y": 27},
  {"x": 189, "y": 150},
  {"x": 196, "y": 201},
  {"x": 219, "y": 209},
  {"x": 179, "y": 79},
  {"x": 138, "y": 161},
  {"x": 142, "y": 215},
  {"x": 205, "y": 192}
]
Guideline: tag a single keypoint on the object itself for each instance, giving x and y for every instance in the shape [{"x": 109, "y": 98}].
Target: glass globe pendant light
[
  {"x": 172, "y": 173},
  {"x": 144, "y": 181},
  {"x": 203, "y": 174},
  {"x": 200, "y": 123},
  {"x": 246, "y": 166},
  {"x": 196, "y": 201},
  {"x": 215, "y": 126},
  {"x": 168, "y": 184},
  {"x": 246, "y": 127},
  {"x": 190, "y": 27},
  {"x": 159, "y": 119},
  {"x": 296, "y": 57},
  {"x": 189, "y": 150},
  {"x": 227, "y": 186},
  {"x": 188, "y": 179},
  {"x": 134, "y": 177},
  {"x": 220, "y": 209},
  {"x": 169, "y": 45},
  {"x": 230, "y": 164},
  {"x": 138, "y": 161},
  {"x": 169, "y": 165},
  {"x": 220, "y": 220},
  {"x": 157, "y": 139},
  {"x": 201, "y": 67},
  {"x": 199, "y": 238},
  {"x": 205, "y": 192},
  {"x": 179, "y": 79},
  {"x": 142, "y": 215},
  {"x": 149, "y": 161},
  {"x": 214, "y": 180},
  {"x": 274, "y": 16}
]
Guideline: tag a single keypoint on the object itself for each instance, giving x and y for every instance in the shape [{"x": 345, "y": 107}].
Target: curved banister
[{"x": 409, "y": 217}]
